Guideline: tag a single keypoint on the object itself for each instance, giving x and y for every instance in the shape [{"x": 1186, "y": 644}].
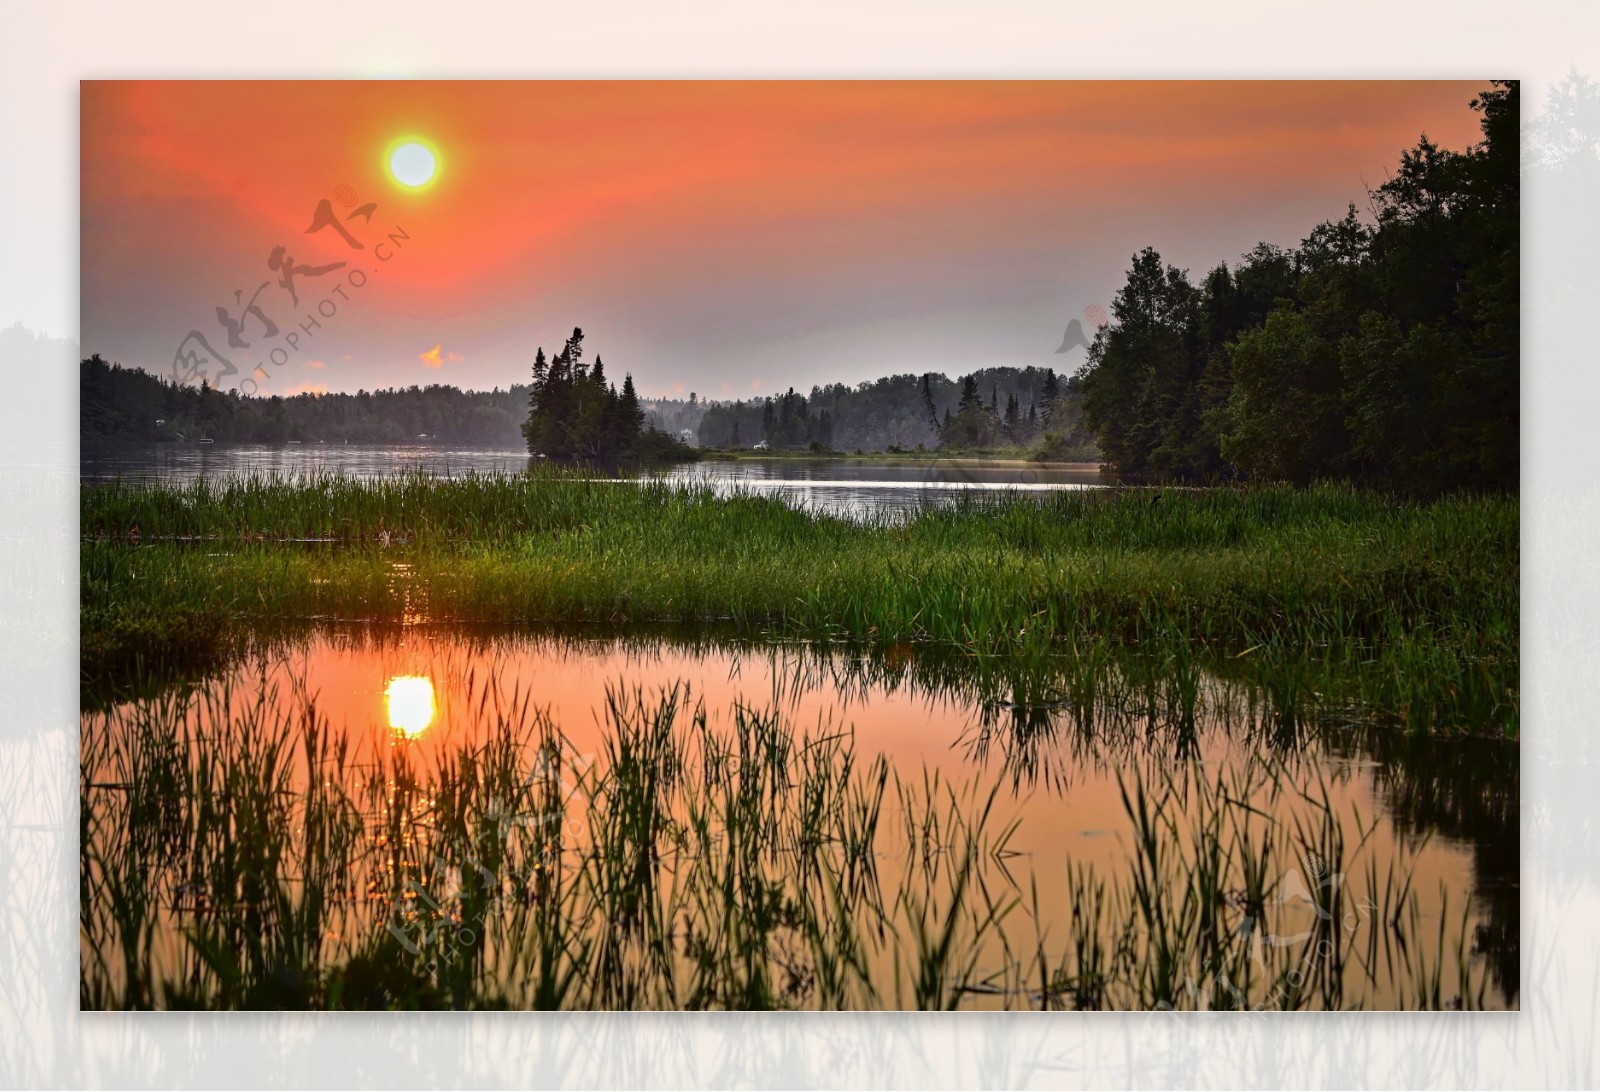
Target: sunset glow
[{"x": 712, "y": 236}]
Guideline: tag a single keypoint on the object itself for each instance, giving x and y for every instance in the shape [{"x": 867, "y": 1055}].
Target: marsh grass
[
  {"x": 239, "y": 852},
  {"x": 1329, "y": 596}
]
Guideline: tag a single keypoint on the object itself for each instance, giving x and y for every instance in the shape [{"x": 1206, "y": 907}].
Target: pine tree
[
  {"x": 532, "y": 428},
  {"x": 969, "y": 395},
  {"x": 927, "y": 403},
  {"x": 1048, "y": 397},
  {"x": 574, "y": 413},
  {"x": 632, "y": 415}
]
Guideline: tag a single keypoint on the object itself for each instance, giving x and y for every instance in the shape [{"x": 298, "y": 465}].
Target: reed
[
  {"x": 237, "y": 852},
  {"x": 1331, "y": 594}
]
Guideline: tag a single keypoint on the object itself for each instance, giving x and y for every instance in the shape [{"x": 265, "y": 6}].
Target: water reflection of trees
[
  {"x": 1045, "y": 717},
  {"x": 1466, "y": 789}
]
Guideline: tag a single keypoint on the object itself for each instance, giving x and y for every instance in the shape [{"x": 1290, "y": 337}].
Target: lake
[
  {"x": 337, "y": 751},
  {"x": 847, "y": 486},
  {"x": 1007, "y": 809}
]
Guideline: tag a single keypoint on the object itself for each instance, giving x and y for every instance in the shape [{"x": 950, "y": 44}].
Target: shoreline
[{"x": 907, "y": 457}]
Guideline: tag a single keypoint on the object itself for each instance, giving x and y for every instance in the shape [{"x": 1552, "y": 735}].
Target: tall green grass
[{"x": 1332, "y": 595}]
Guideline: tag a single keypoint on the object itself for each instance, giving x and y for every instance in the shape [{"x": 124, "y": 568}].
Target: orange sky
[{"x": 728, "y": 238}]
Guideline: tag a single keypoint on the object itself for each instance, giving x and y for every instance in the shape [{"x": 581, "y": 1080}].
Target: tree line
[
  {"x": 576, "y": 415},
  {"x": 567, "y": 418},
  {"x": 1382, "y": 350},
  {"x": 1002, "y": 407},
  {"x": 126, "y": 403}
]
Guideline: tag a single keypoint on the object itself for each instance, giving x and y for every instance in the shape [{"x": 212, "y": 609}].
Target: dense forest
[
  {"x": 674, "y": 415},
  {"x": 130, "y": 404},
  {"x": 1005, "y": 407},
  {"x": 989, "y": 408},
  {"x": 1382, "y": 351},
  {"x": 575, "y": 415}
]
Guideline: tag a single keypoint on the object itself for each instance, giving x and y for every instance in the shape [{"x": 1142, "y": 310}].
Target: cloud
[
  {"x": 437, "y": 357},
  {"x": 306, "y": 388},
  {"x": 317, "y": 364}
]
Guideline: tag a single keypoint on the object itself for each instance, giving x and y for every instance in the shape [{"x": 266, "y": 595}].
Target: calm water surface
[
  {"x": 1440, "y": 815},
  {"x": 838, "y": 486}
]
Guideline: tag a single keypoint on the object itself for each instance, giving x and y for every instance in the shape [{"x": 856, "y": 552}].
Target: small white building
[
  {"x": 762, "y": 446},
  {"x": 686, "y": 436}
]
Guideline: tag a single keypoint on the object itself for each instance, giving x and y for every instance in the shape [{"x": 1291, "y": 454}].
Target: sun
[
  {"x": 411, "y": 705},
  {"x": 412, "y": 162}
]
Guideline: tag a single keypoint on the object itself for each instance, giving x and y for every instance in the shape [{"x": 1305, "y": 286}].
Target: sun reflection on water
[{"x": 411, "y": 706}]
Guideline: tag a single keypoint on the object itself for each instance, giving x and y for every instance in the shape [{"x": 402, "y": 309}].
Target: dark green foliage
[
  {"x": 1141, "y": 370},
  {"x": 901, "y": 412},
  {"x": 118, "y": 403},
  {"x": 1385, "y": 353},
  {"x": 574, "y": 415},
  {"x": 788, "y": 422},
  {"x": 898, "y": 411},
  {"x": 974, "y": 424},
  {"x": 1287, "y": 411}
]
